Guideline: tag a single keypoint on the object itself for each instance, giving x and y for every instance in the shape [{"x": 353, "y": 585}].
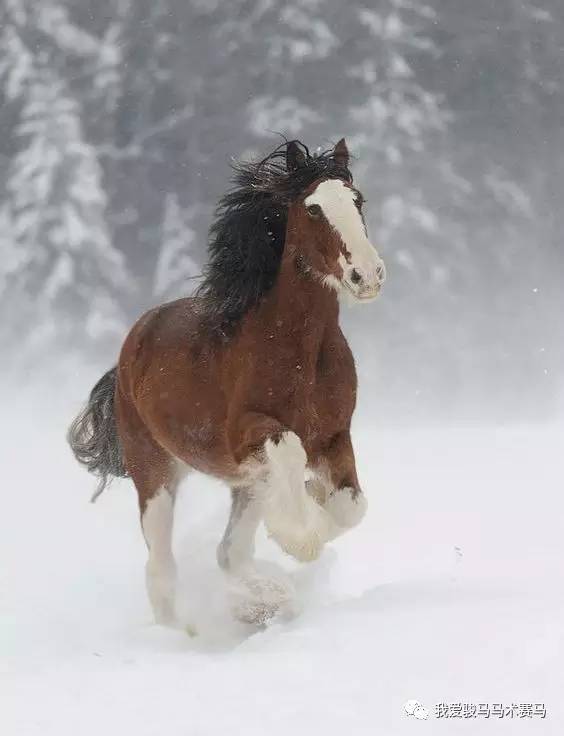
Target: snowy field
[{"x": 451, "y": 591}]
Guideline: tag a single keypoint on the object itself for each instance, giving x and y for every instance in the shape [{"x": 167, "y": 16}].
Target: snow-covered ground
[{"x": 451, "y": 591}]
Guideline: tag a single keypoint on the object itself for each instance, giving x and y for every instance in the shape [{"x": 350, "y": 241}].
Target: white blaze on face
[{"x": 365, "y": 273}]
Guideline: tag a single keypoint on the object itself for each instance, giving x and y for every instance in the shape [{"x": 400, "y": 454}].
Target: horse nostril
[{"x": 356, "y": 278}]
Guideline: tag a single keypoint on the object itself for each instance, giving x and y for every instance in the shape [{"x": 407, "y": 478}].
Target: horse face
[{"x": 335, "y": 239}]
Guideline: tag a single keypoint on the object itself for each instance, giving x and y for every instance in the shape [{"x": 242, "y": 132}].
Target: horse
[{"x": 250, "y": 380}]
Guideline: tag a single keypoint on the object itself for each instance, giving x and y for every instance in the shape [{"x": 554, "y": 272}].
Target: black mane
[{"x": 247, "y": 237}]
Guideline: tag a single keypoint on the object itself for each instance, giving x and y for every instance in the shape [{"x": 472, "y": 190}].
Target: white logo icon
[{"x": 415, "y": 709}]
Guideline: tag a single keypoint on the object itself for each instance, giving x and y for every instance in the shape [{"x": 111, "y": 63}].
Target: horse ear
[
  {"x": 295, "y": 157},
  {"x": 341, "y": 154}
]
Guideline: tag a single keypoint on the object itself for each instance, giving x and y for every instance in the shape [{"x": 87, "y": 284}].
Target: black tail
[{"x": 93, "y": 435}]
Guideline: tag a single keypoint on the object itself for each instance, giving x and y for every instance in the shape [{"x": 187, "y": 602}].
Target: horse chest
[
  {"x": 334, "y": 393},
  {"x": 324, "y": 395}
]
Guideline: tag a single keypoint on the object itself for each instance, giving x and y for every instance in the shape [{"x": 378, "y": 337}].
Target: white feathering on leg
[
  {"x": 299, "y": 524},
  {"x": 257, "y": 594}
]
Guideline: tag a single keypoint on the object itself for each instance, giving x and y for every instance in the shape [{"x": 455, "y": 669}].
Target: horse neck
[{"x": 300, "y": 308}]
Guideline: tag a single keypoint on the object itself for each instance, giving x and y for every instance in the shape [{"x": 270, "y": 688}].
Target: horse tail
[{"x": 93, "y": 435}]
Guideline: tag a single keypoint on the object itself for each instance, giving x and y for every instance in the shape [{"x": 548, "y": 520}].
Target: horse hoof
[
  {"x": 303, "y": 541},
  {"x": 254, "y": 613},
  {"x": 256, "y": 599},
  {"x": 346, "y": 511},
  {"x": 304, "y": 547}
]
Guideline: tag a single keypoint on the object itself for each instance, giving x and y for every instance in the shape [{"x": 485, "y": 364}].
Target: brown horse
[{"x": 251, "y": 380}]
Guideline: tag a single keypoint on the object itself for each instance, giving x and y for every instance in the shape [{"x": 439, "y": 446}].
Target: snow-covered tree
[
  {"x": 16, "y": 59},
  {"x": 398, "y": 124},
  {"x": 138, "y": 117},
  {"x": 68, "y": 266},
  {"x": 396, "y": 119},
  {"x": 177, "y": 269},
  {"x": 303, "y": 37},
  {"x": 64, "y": 276}
]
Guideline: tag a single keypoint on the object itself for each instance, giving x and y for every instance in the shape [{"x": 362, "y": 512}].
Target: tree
[
  {"x": 176, "y": 266},
  {"x": 396, "y": 120},
  {"x": 67, "y": 276},
  {"x": 399, "y": 124},
  {"x": 303, "y": 39}
]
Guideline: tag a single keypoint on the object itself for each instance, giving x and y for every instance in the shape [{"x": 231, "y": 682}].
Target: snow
[{"x": 451, "y": 590}]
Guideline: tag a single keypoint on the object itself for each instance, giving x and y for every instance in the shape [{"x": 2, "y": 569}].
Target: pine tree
[
  {"x": 138, "y": 121},
  {"x": 396, "y": 119},
  {"x": 292, "y": 40},
  {"x": 177, "y": 268},
  {"x": 66, "y": 280},
  {"x": 398, "y": 124},
  {"x": 16, "y": 59}
]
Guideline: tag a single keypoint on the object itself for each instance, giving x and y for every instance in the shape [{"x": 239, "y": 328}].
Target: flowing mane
[{"x": 247, "y": 237}]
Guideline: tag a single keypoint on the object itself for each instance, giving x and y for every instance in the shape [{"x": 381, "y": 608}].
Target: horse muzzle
[{"x": 365, "y": 283}]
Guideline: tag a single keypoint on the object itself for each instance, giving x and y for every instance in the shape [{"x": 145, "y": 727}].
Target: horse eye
[{"x": 314, "y": 210}]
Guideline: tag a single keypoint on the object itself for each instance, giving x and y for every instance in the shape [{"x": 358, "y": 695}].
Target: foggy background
[{"x": 119, "y": 119}]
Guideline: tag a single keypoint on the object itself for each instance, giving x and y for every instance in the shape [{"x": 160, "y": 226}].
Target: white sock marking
[
  {"x": 161, "y": 569},
  {"x": 255, "y": 597},
  {"x": 292, "y": 517},
  {"x": 236, "y": 550}
]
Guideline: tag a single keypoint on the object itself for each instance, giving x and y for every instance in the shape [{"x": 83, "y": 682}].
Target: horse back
[{"x": 169, "y": 375}]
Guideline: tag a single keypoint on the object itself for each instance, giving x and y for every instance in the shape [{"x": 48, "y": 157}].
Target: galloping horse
[{"x": 251, "y": 380}]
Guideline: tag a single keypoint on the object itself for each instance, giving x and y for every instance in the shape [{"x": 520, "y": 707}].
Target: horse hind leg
[
  {"x": 236, "y": 550},
  {"x": 156, "y": 475},
  {"x": 256, "y": 595},
  {"x": 157, "y": 516}
]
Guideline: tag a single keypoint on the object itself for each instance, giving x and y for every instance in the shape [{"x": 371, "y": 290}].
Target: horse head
[{"x": 327, "y": 230}]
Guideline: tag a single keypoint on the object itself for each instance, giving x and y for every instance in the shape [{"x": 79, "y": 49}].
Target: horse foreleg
[
  {"x": 255, "y": 595},
  {"x": 293, "y": 518},
  {"x": 335, "y": 485},
  {"x": 273, "y": 461}
]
